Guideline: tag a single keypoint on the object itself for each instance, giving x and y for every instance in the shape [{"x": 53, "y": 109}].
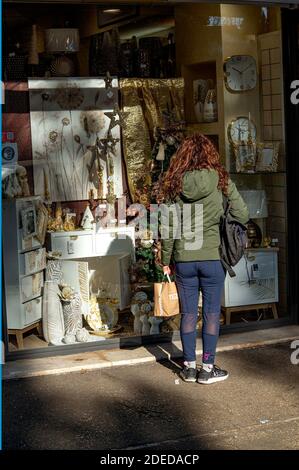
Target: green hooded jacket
[{"x": 190, "y": 230}]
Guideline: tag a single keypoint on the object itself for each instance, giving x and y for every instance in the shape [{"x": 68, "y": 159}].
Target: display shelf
[
  {"x": 258, "y": 173},
  {"x": 206, "y": 128},
  {"x": 262, "y": 249},
  {"x": 22, "y": 276},
  {"x": 27, "y": 250},
  {"x": 191, "y": 72},
  {"x": 34, "y": 297}
]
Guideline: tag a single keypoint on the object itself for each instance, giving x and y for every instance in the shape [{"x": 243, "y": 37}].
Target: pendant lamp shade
[{"x": 62, "y": 40}]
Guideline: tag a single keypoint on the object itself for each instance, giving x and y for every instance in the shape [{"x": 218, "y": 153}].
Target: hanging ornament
[{"x": 161, "y": 153}]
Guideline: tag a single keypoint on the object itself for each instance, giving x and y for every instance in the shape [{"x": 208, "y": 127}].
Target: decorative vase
[
  {"x": 210, "y": 107},
  {"x": 155, "y": 325},
  {"x": 200, "y": 90},
  {"x": 33, "y": 58},
  {"x": 52, "y": 316},
  {"x": 72, "y": 315},
  {"x": 54, "y": 271}
]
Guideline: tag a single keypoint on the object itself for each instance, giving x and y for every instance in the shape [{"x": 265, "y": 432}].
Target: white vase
[
  {"x": 200, "y": 89},
  {"x": 210, "y": 107},
  {"x": 72, "y": 315},
  {"x": 52, "y": 316}
]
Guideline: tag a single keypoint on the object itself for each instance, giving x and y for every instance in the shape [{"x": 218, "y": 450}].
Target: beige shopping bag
[{"x": 166, "y": 299}]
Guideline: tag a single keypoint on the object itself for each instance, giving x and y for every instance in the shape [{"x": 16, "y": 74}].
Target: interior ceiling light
[{"x": 112, "y": 10}]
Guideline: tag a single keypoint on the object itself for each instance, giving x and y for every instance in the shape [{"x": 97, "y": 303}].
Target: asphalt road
[{"x": 148, "y": 407}]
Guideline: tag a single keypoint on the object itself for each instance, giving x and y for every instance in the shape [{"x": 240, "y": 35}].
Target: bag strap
[
  {"x": 226, "y": 204},
  {"x": 228, "y": 268},
  {"x": 168, "y": 278}
]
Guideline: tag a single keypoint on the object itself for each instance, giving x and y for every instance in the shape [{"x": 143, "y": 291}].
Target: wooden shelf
[
  {"x": 263, "y": 248},
  {"x": 206, "y": 128},
  {"x": 257, "y": 173}
]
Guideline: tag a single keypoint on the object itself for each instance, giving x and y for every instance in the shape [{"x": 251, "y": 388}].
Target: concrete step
[{"x": 93, "y": 360}]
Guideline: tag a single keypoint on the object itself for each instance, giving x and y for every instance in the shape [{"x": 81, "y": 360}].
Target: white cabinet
[
  {"x": 88, "y": 243},
  {"x": 109, "y": 253},
  {"x": 115, "y": 241},
  {"x": 24, "y": 262},
  {"x": 72, "y": 245},
  {"x": 256, "y": 280}
]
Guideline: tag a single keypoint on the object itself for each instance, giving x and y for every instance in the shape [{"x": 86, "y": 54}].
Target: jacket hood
[{"x": 198, "y": 184}]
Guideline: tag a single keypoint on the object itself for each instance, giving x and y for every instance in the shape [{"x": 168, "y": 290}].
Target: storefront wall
[{"x": 205, "y": 36}]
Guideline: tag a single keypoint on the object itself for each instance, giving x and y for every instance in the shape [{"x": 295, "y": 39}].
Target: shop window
[{"x": 94, "y": 111}]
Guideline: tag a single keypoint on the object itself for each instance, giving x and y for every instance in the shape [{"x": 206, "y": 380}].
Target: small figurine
[
  {"x": 69, "y": 224},
  {"x": 58, "y": 222}
]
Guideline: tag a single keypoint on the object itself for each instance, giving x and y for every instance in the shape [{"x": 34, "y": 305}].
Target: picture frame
[
  {"x": 267, "y": 157},
  {"x": 245, "y": 155},
  {"x": 28, "y": 217},
  {"x": 41, "y": 223}
]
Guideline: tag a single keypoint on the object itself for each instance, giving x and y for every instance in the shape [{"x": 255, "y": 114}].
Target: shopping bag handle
[{"x": 168, "y": 278}]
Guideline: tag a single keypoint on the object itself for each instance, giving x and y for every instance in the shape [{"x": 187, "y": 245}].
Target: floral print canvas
[{"x": 67, "y": 119}]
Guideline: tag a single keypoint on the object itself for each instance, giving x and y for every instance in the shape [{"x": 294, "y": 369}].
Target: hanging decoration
[{"x": 147, "y": 100}]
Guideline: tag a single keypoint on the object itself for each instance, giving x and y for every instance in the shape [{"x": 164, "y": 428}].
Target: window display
[{"x": 87, "y": 150}]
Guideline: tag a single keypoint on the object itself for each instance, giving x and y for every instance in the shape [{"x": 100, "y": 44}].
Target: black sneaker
[
  {"x": 188, "y": 374},
  {"x": 215, "y": 375}
]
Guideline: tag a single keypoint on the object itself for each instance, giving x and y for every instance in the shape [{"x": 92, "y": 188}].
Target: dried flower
[
  {"x": 92, "y": 121},
  {"x": 53, "y": 136},
  {"x": 66, "y": 293},
  {"x": 65, "y": 121}
]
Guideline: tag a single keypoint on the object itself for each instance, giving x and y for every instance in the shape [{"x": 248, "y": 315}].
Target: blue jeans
[{"x": 207, "y": 276}]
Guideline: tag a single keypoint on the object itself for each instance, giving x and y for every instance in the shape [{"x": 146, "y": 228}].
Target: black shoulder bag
[{"x": 233, "y": 240}]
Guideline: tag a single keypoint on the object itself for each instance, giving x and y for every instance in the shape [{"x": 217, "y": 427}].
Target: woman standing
[{"x": 195, "y": 182}]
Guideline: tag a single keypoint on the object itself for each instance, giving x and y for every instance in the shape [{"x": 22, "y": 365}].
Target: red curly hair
[{"x": 195, "y": 153}]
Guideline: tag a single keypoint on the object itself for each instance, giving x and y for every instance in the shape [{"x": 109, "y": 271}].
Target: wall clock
[
  {"x": 241, "y": 129},
  {"x": 240, "y": 73}
]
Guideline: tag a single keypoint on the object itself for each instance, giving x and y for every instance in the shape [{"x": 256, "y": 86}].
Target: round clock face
[
  {"x": 240, "y": 73},
  {"x": 240, "y": 130}
]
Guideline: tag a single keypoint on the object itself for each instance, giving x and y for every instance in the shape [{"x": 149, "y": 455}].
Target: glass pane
[{"x": 174, "y": 70}]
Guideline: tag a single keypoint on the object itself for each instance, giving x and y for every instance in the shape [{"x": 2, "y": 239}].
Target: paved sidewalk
[
  {"x": 108, "y": 358},
  {"x": 146, "y": 406}
]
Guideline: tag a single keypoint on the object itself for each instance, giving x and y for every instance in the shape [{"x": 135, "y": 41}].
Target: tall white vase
[
  {"x": 52, "y": 316},
  {"x": 210, "y": 113}
]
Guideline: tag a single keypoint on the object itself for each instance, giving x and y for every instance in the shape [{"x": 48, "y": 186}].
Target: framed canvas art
[{"x": 67, "y": 119}]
